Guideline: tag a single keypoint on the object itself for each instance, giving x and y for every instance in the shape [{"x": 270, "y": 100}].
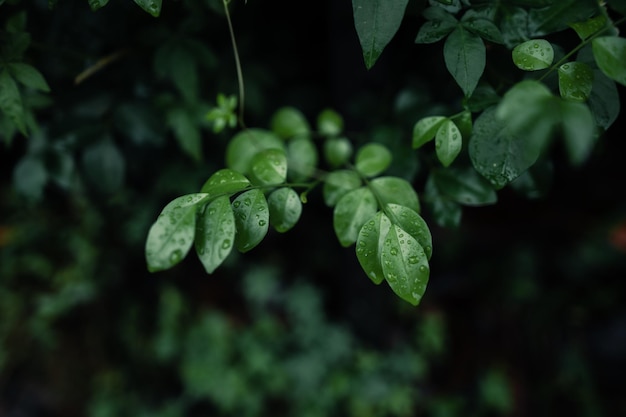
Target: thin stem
[{"x": 237, "y": 63}]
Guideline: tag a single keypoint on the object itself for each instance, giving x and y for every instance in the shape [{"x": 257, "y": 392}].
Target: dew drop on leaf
[{"x": 176, "y": 256}]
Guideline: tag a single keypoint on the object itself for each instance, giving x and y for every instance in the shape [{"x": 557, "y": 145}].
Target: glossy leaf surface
[
  {"x": 172, "y": 235},
  {"x": 575, "y": 81},
  {"x": 369, "y": 246},
  {"x": 269, "y": 167},
  {"x": 412, "y": 223},
  {"x": 351, "y": 212},
  {"x": 247, "y": 143},
  {"x": 426, "y": 129},
  {"x": 448, "y": 142},
  {"x": 376, "y": 23},
  {"x": 405, "y": 265},
  {"x": 465, "y": 58},
  {"x": 215, "y": 233},
  {"x": 285, "y": 209},
  {"x": 578, "y": 130},
  {"x": 225, "y": 181},
  {"x": 251, "y": 219},
  {"x": 339, "y": 183},
  {"x": 533, "y": 55}
]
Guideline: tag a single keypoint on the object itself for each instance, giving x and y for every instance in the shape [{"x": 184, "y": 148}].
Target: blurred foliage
[{"x": 524, "y": 314}]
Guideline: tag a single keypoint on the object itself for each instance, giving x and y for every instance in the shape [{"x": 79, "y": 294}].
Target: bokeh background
[{"x": 525, "y": 312}]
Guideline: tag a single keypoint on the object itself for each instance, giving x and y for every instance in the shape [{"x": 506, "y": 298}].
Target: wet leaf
[
  {"x": 172, "y": 235},
  {"x": 351, "y": 212},
  {"x": 579, "y": 131},
  {"x": 151, "y": 6},
  {"x": 225, "y": 181},
  {"x": 247, "y": 143},
  {"x": 533, "y": 55},
  {"x": 439, "y": 24},
  {"x": 575, "y": 81},
  {"x": 269, "y": 167},
  {"x": 251, "y": 219},
  {"x": 405, "y": 265},
  {"x": 412, "y": 223},
  {"x": 369, "y": 245},
  {"x": 448, "y": 142},
  {"x": 285, "y": 209},
  {"x": 215, "y": 233},
  {"x": 425, "y": 130}
]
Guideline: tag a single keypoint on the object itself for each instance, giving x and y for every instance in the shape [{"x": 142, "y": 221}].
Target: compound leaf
[{"x": 215, "y": 233}]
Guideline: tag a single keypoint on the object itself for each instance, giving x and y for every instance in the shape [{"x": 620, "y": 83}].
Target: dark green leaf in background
[
  {"x": 30, "y": 177},
  {"x": 186, "y": 131},
  {"x": 439, "y": 24},
  {"x": 483, "y": 25},
  {"x": 104, "y": 166},
  {"x": 215, "y": 233},
  {"x": 445, "y": 210},
  {"x": 610, "y": 55},
  {"x": 465, "y": 58},
  {"x": 604, "y": 100},
  {"x": 29, "y": 76},
  {"x": 11, "y": 101},
  {"x": 302, "y": 158},
  {"x": 559, "y": 15},
  {"x": 337, "y": 151},
  {"x": 251, "y": 219},
  {"x": 289, "y": 122},
  {"x": 351, "y": 212},
  {"x": 247, "y": 143},
  {"x": 95, "y": 4},
  {"x": 151, "y": 6},
  {"x": 376, "y": 22},
  {"x": 465, "y": 186},
  {"x": 578, "y": 129},
  {"x": 496, "y": 153},
  {"x": 172, "y": 235}
]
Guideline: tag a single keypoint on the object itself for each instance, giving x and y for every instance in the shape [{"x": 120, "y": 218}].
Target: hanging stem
[{"x": 237, "y": 63}]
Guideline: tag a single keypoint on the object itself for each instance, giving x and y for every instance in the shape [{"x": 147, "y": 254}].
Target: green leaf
[
  {"x": 465, "y": 58},
  {"x": 425, "y": 129},
  {"x": 285, "y": 209},
  {"x": 372, "y": 159},
  {"x": 172, "y": 235},
  {"x": 215, "y": 233},
  {"x": 559, "y": 15},
  {"x": 376, "y": 22},
  {"x": 528, "y": 108},
  {"x": 395, "y": 190},
  {"x": 96, "y": 4},
  {"x": 618, "y": 5},
  {"x": 465, "y": 186},
  {"x": 247, "y": 143},
  {"x": 11, "y": 101},
  {"x": 269, "y": 167},
  {"x": 448, "y": 142},
  {"x": 351, "y": 212},
  {"x": 28, "y": 76},
  {"x": 447, "y": 212},
  {"x": 289, "y": 122},
  {"x": 590, "y": 27},
  {"x": 369, "y": 246},
  {"x": 412, "y": 223},
  {"x": 337, "y": 151},
  {"x": 604, "y": 100},
  {"x": 186, "y": 131},
  {"x": 439, "y": 24},
  {"x": 496, "y": 153},
  {"x": 251, "y": 219},
  {"x": 610, "y": 55},
  {"x": 464, "y": 122},
  {"x": 405, "y": 265},
  {"x": 104, "y": 165},
  {"x": 575, "y": 81},
  {"x": 30, "y": 177},
  {"x": 339, "y": 183},
  {"x": 533, "y": 55},
  {"x": 482, "y": 26},
  {"x": 302, "y": 158},
  {"x": 578, "y": 130},
  {"x": 225, "y": 182},
  {"x": 151, "y": 6},
  {"x": 329, "y": 123}
]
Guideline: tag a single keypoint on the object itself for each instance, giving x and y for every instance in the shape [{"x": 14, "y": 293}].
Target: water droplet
[
  {"x": 414, "y": 260},
  {"x": 536, "y": 45},
  {"x": 176, "y": 256},
  {"x": 236, "y": 204},
  {"x": 393, "y": 251},
  {"x": 262, "y": 223},
  {"x": 423, "y": 268},
  {"x": 247, "y": 201},
  {"x": 226, "y": 244}
]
